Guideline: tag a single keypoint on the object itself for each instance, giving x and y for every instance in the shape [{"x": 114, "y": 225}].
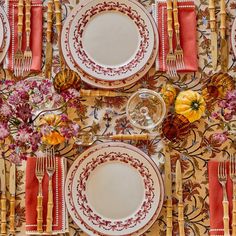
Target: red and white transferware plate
[
  {"x": 114, "y": 189},
  {"x": 6, "y": 34},
  {"x": 105, "y": 84},
  {"x": 233, "y": 37},
  {"x": 101, "y": 45}
]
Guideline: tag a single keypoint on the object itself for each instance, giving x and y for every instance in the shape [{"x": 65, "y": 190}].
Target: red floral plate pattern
[
  {"x": 99, "y": 43},
  {"x": 82, "y": 208},
  {"x": 6, "y": 34},
  {"x": 97, "y": 82}
]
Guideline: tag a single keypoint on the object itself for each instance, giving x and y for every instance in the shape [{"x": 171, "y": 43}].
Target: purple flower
[
  {"x": 217, "y": 139},
  {"x": 4, "y": 131}
]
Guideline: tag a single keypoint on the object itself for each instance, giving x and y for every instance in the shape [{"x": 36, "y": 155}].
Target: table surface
[{"x": 106, "y": 115}]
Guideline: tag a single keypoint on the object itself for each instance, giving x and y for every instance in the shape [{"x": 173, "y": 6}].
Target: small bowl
[{"x": 145, "y": 109}]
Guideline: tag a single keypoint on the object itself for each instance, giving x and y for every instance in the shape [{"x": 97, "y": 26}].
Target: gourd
[
  {"x": 168, "y": 93},
  {"x": 190, "y": 104}
]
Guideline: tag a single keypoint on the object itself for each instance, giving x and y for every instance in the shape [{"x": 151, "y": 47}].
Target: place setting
[{"x": 117, "y": 118}]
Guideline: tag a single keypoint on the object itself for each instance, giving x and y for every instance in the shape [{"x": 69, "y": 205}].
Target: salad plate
[
  {"x": 114, "y": 189},
  {"x": 105, "y": 84},
  {"x": 102, "y": 47},
  {"x": 6, "y": 34}
]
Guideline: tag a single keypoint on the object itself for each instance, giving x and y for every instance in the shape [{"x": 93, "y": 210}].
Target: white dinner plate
[
  {"x": 97, "y": 82},
  {"x": 233, "y": 37},
  {"x": 6, "y": 34},
  {"x": 111, "y": 40},
  {"x": 114, "y": 189}
]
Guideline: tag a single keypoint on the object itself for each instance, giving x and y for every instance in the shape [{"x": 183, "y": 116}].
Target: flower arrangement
[{"x": 21, "y": 105}]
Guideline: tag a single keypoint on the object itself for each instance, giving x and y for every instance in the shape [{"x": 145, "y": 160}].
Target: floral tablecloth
[{"x": 107, "y": 115}]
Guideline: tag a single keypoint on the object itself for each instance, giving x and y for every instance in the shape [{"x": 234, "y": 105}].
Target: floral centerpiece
[{"x": 21, "y": 106}]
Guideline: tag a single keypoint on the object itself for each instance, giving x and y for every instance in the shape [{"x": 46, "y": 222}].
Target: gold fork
[
  {"x": 50, "y": 167},
  {"x": 39, "y": 172},
  {"x": 222, "y": 177},
  {"x": 28, "y": 53},
  {"x": 232, "y": 173},
  {"x": 170, "y": 58},
  {"x": 18, "y": 57},
  {"x": 178, "y": 50}
]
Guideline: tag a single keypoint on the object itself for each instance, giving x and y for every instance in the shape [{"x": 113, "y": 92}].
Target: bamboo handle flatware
[
  {"x": 12, "y": 214},
  {"x": 170, "y": 58},
  {"x": 226, "y": 217},
  {"x": 213, "y": 33},
  {"x": 27, "y": 52},
  {"x": 48, "y": 63},
  {"x": 179, "y": 194},
  {"x": 50, "y": 167},
  {"x": 169, "y": 225},
  {"x": 234, "y": 214},
  {"x": 3, "y": 214},
  {"x": 232, "y": 172},
  {"x": 181, "y": 218},
  {"x": 19, "y": 56},
  {"x": 12, "y": 191},
  {"x": 39, "y": 172},
  {"x": 178, "y": 50},
  {"x": 222, "y": 177},
  {"x": 40, "y": 213},
  {"x": 224, "y": 44},
  {"x": 102, "y": 93}
]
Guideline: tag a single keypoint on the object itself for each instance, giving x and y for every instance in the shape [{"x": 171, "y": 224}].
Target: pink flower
[
  {"x": 228, "y": 116},
  {"x": 45, "y": 87},
  {"x": 6, "y": 110},
  {"x": 23, "y": 134},
  {"x": 4, "y": 131},
  {"x": 23, "y": 111},
  {"x": 231, "y": 95},
  {"x": 217, "y": 139},
  {"x": 36, "y": 98}
]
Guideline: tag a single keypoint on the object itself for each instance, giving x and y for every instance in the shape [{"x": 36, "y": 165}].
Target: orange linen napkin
[
  {"x": 31, "y": 191},
  {"x": 188, "y": 34},
  {"x": 35, "y": 38},
  {"x": 216, "y": 198}
]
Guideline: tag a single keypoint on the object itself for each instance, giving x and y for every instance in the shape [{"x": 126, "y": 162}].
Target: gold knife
[
  {"x": 12, "y": 190},
  {"x": 3, "y": 197},
  {"x": 48, "y": 63},
  {"x": 224, "y": 45},
  {"x": 213, "y": 33},
  {"x": 168, "y": 191},
  {"x": 179, "y": 194}
]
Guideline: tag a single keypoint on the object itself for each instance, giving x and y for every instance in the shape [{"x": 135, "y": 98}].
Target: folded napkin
[
  {"x": 31, "y": 191},
  {"x": 216, "y": 198},
  {"x": 188, "y": 34},
  {"x": 35, "y": 38}
]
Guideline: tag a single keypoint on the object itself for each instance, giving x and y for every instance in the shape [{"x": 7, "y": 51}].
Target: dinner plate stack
[
  {"x": 4, "y": 34},
  {"x": 114, "y": 189},
  {"x": 111, "y": 44}
]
